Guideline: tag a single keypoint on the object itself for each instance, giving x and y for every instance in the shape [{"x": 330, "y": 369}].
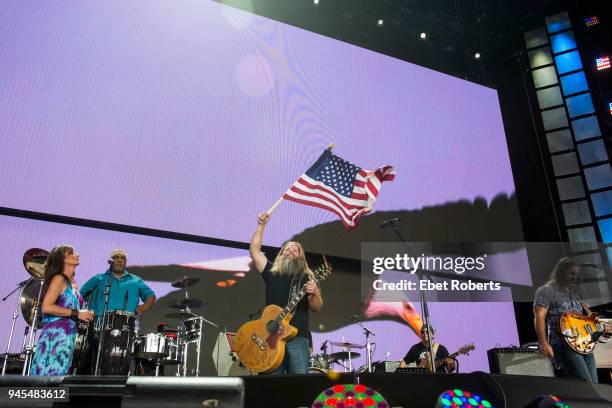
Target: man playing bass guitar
[{"x": 283, "y": 278}]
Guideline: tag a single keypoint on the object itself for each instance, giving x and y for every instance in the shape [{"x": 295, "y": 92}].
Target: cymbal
[
  {"x": 343, "y": 355},
  {"x": 183, "y": 314},
  {"x": 34, "y": 262},
  {"x": 184, "y": 303},
  {"x": 29, "y": 300},
  {"x": 186, "y": 282},
  {"x": 346, "y": 344}
]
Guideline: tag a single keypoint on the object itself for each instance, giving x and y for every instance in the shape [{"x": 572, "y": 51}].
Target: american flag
[{"x": 339, "y": 186}]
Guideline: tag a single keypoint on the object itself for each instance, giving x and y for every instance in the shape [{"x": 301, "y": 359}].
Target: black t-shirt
[
  {"x": 419, "y": 350},
  {"x": 277, "y": 293}
]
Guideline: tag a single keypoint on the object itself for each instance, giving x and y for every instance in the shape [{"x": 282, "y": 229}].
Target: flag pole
[{"x": 275, "y": 205}]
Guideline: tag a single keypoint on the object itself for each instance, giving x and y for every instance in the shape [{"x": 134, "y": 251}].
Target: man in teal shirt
[{"x": 125, "y": 291}]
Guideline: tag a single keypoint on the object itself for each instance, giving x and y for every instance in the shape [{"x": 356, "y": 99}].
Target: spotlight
[
  {"x": 477, "y": 56},
  {"x": 423, "y": 36},
  {"x": 380, "y": 22}
]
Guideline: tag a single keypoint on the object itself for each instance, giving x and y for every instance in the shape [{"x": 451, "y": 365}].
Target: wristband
[{"x": 74, "y": 314}]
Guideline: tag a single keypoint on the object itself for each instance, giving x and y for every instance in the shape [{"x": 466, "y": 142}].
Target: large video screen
[
  {"x": 231, "y": 291},
  {"x": 193, "y": 117}
]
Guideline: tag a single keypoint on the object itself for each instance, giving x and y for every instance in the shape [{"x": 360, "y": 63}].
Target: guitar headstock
[
  {"x": 323, "y": 271},
  {"x": 466, "y": 349}
]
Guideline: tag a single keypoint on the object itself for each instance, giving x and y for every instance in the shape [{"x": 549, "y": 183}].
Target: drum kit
[
  {"x": 121, "y": 344},
  {"x": 322, "y": 363}
]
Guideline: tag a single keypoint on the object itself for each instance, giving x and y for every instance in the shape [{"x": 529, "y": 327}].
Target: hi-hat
[
  {"x": 185, "y": 303},
  {"x": 34, "y": 262},
  {"x": 346, "y": 344},
  {"x": 343, "y": 355},
  {"x": 186, "y": 282}
]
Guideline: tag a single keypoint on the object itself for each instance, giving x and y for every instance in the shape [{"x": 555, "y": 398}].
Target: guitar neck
[{"x": 295, "y": 299}]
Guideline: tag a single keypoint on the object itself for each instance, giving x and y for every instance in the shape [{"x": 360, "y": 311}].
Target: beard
[{"x": 288, "y": 266}]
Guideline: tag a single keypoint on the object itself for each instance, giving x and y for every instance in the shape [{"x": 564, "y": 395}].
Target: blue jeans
[
  {"x": 296, "y": 358},
  {"x": 577, "y": 365}
]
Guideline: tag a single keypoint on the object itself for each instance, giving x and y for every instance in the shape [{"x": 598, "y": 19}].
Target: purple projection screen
[
  {"x": 193, "y": 117},
  {"x": 160, "y": 261}
]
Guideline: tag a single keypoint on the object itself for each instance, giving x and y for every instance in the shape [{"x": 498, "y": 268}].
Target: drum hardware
[
  {"x": 320, "y": 363},
  {"x": 368, "y": 346},
  {"x": 19, "y": 288},
  {"x": 347, "y": 354}
]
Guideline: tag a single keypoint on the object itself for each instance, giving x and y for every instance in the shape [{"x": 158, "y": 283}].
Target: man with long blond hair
[{"x": 284, "y": 277}]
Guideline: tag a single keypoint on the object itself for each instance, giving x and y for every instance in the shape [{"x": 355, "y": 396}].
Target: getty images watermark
[
  {"x": 446, "y": 272},
  {"x": 402, "y": 262}
]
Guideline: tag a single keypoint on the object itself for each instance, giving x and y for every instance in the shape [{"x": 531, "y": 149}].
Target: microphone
[
  {"x": 324, "y": 346},
  {"x": 355, "y": 318},
  {"x": 125, "y": 300},
  {"x": 591, "y": 265},
  {"x": 110, "y": 262},
  {"x": 391, "y": 221}
]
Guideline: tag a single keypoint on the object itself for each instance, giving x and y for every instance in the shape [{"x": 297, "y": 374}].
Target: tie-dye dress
[{"x": 56, "y": 342}]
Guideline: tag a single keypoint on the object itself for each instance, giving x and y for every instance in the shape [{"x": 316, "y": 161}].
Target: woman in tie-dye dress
[{"x": 61, "y": 309}]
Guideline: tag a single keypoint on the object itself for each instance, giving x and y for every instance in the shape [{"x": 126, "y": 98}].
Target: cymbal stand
[
  {"x": 29, "y": 348},
  {"x": 19, "y": 287}
]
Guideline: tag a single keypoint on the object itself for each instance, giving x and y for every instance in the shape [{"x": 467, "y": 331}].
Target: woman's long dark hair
[{"x": 54, "y": 265}]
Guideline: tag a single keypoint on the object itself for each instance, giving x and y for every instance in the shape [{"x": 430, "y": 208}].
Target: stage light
[
  {"x": 461, "y": 398},
  {"x": 423, "y": 36},
  {"x": 610, "y": 108},
  {"x": 477, "y": 56},
  {"x": 380, "y": 22},
  {"x": 316, "y": 2},
  {"x": 547, "y": 401},
  {"x": 602, "y": 63},
  {"x": 591, "y": 21},
  {"x": 350, "y": 396}
]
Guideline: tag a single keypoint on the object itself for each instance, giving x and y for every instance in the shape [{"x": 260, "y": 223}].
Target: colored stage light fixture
[
  {"x": 461, "y": 398},
  {"x": 602, "y": 62},
  {"x": 610, "y": 108},
  {"x": 350, "y": 395},
  {"x": 548, "y": 401},
  {"x": 591, "y": 21}
]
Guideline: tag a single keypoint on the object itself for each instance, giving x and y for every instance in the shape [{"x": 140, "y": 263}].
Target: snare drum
[
  {"x": 191, "y": 328},
  {"x": 118, "y": 343},
  {"x": 153, "y": 345}
]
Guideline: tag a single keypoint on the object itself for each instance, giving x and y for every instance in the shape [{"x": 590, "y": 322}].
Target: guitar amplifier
[
  {"x": 225, "y": 357},
  {"x": 519, "y": 361}
]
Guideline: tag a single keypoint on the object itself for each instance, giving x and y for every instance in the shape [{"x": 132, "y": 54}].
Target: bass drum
[
  {"x": 82, "y": 358},
  {"x": 119, "y": 338}
]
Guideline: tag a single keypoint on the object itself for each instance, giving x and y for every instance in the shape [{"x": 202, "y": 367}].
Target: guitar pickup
[{"x": 259, "y": 342}]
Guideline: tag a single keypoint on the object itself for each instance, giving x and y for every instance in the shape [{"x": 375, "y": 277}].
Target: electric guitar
[
  {"x": 582, "y": 332},
  {"x": 426, "y": 362},
  {"x": 260, "y": 344}
]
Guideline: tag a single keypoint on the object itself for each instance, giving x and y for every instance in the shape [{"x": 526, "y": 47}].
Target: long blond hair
[{"x": 301, "y": 259}]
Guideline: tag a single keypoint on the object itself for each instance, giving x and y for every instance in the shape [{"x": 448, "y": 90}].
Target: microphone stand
[
  {"x": 103, "y": 328},
  {"x": 367, "y": 333},
  {"x": 423, "y": 300}
]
